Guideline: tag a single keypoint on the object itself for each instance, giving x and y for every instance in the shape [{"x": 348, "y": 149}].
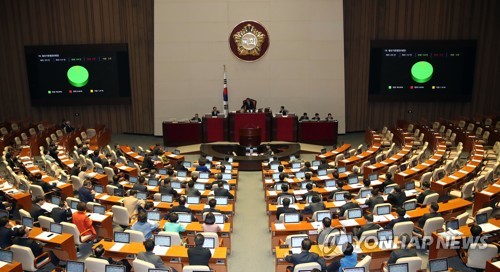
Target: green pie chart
[
  {"x": 422, "y": 71},
  {"x": 78, "y": 76}
]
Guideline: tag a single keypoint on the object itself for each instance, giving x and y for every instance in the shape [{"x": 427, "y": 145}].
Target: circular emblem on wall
[{"x": 249, "y": 41}]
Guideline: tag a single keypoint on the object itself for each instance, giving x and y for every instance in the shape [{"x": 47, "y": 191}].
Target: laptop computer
[
  {"x": 56, "y": 200},
  {"x": 403, "y": 167},
  {"x": 291, "y": 218},
  {"x": 438, "y": 265},
  {"x": 322, "y": 172},
  {"x": 219, "y": 219},
  {"x": 385, "y": 239},
  {"x": 321, "y": 215},
  {"x": 132, "y": 179},
  {"x": 75, "y": 266},
  {"x": 274, "y": 166},
  {"x": 481, "y": 218},
  {"x": 365, "y": 193},
  {"x": 73, "y": 204},
  {"x": 209, "y": 243},
  {"x": 373, "y": 177},
  {"x": 199, "y": 186},
  {"x": 352, "y": 180},
  {"x": 153, "y": 182},
  {"x": 354, "y": 269},
  {"x": 341, "y": 170},
  {"x": 131, "y": 164},
  {"x": 99, "y": 189},
  {"x": 330, "y": 183},
  {"x": 410, "y": 186},
  {"x": 296, "y": 244},
  {"x": 99, "y": 209},
  {"x": 184, "y": 218},
  {"x": 162, "y": 171},
  {"x": 316, "y": 163},
  {"x": 300, "y": 175},
  {"x": 175, "y": 185},
  {"x": 118, "y": 192},
  {"x": 452, "y": 224},
  {"x": 339, "y": 196},
  {"x": 227, "y": 176},
  {"x": 204, "y": 175},
  {"x": 296, "y": 165},
  {"x": 100, "y": 170},
  {"x": 121, "y": 237},
  {"x": 388, "y": 189}
]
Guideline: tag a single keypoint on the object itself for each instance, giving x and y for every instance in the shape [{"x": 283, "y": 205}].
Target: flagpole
[{"x": 225, "y": 94}]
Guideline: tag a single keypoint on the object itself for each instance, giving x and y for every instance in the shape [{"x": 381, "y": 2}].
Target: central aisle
[{"x": 250, "y": 238}]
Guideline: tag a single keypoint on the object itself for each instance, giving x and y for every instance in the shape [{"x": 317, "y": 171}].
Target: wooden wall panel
[
  {"x": 365, "y": 20},
  {"x": 26, "y": 22}
]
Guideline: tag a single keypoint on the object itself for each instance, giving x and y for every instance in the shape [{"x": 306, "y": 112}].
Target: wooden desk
[
  {"x": 484, "y": 198},
  {"x": 330, "y": 155},
  {"x": 492, "y": 266},
  {"x": 375, "y": 144},
  {"x": 214, "y": 129},
  {"x": 12, "y": 267},
  {"x": 176, "y": 133},
  {"x": 63, "y": 245},
  {"x": 175, "y": 257},
  {"x": 412, "y": 173},
  {"x": 104, "y": 227},
  {"x": 321, "y": 132},
  {"x": 379, "y": 167},
  {"x": 285, "y": 128}
]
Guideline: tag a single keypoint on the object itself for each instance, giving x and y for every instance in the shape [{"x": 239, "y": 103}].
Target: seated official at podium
[
  {"x": 196, "y": 118},
  {"x": 249, "y": 104},
  {"x": 215, "y": 111},
  {"x": 283, "y": 111}
]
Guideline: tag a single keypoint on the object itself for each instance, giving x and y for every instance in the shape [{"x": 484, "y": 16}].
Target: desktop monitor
[
  {"x": 219, "y": 219},
  {"x": 452, "y": 224},
  {"x": 229, "y": 167},
  {"x": 27, "y": 221},
  {"x": 341, "y": 169},
  {"x": 175, "y": 184},
  {"x": 354, "y": 213},
  {"x": 120, "y": 160},
  {"x": 64, "y": 178},
  {"x": 209, "y": 158},
  {"x": 481, "y": 218},
  {"x": 184, "y": 218},
  {"x": 276, "y": 176},
  {"x": 274, "y": 166},
  {"x": 75, "y": 266},
  {"x": 199, "y": 186},
  {"x": 118, "y": 192},
  {"x": 354, "y": 269},
  {"x": 316, "y": 163},
  {"x": 56, "y": 228},
  {"x": 383, "y": 157},
  {"x": 193, "y": 200},
  {"x": 339, "y": 196},
  {"x": 303, "y": 185},
  {"x": 297, "y": 241},
  {"x": 187, "y": 164},
  {"x": 414, "y": 163},
  {"x": 4, "y": 213},
  {"x": 181, "y": 174},
  {"x": 286, "y": 196},
  {"x": 353, "y": 180},
  {"x": 230, "y": 159},
  {"x": 330, "y": 183},
  {"x": 142, "y": 195},
  {"x": 114, "y": 268},
  {"x": 403, "y": 167},
  {"x": 438, "y": 265},
  {"x": 56, "y": 200},
  {"x": 154, "y": 215},
  {"x": 204, "y": 175},
  {"x": 410, "y": 206},
  {"x": 388, "y": 189},
  {"x": 227, "y": 176},
  {"x": 410, "y": 185},
  {"x": 177, "y": 152},
  {"x": 322, "y": 151},
  {"x": 373, "y": 160},
  {"x": 74, "y": 204},
  {"x": 292, "y": 158},
  {"x": 221, "y": 200},
  {"x": 291, "y": 218},
  {"x": 296, "y": 165},
  {"x": 373, "y": 177},
  {"x": 153, "y": 182},
  {"x": 121, "y": 237},
  {"x": 365, "y": 193},
  {"x": 209, "y": 242},
  {"x": 343, "y": 238},
  {"x": 99, "y": 189},
  {"x": 300, "y": 175},
  {"x": 162, "y": 171},
  {"x": 322, "y": 172},
  {"x": 385, "y": 235},
  {"x": 226, "y": 186},
  {"x": 132, "y": 179},
  {"x": 167, "y": 198},
  {"x": 320, "y": 215},
  {"x": 130, "y": 164},
  {"x": 384, "y": 209},
  {"x": 6, "y": 256},
  {"x": 163, "y": 240},
  {"x": 401, "y": 267},
  {"x": 100, "y": 170},
  {"x": 99, "y": 209}
]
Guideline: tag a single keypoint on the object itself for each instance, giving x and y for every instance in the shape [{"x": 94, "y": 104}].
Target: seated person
[
  {"x": 304, "y": 117},
  {"x": 326, "y": 229},
  {"x": 388, "y": 181},
  {"x": 374, "y": 200},
  {"x": 182, "y": 208},
  {"x": 202, "y": 166},
  {"x": 218, "y": 178},
  {"x": 349, "y": 260},
  {"x": 6, "y": 232},
  {"x": 21, "y": 238},
  {"x": 99, "y": 254},
  {"x": 366, "y": 185},
  {"x": 215, "y": 111},
  {"x": 404, "y": 251},
  {"x": 368, "y": 226},
  {"x": 145, "y": 226},
  {"x": 401, "y": 218},
  {"x": 324, "y": 164},
  {"x": 329, "y": 117},
  {"x": 283, "y": 110},
  {"x": 310, "y": 192},
  {"x": 433, "y": 212},
  {"x": 349, "y": 204},
  {"x": 198, "y": 255},
  {"x": 211, "y": 206},
  {"x": 209, "y": 224},
  {"x": 397, "y": 197},
  {"x": 248, "y": 104},
  {"x": 149, "y": 256},
  {"x": 167, "y": 189},
  {"x": 307, "y": 167},
  {"x": 284, "y": 192},
  {"x": 190, "y": 190},
  {"x": 83, "y": 222},
  {"x": 139, "y": 186},
  {"x": 46, "y": 187},
  {"x": 36, "y": 209},
  {"x": 268, "y": 151},
  {"x": 148, "y": 163},
  {"x": 116, "y": 181},
  {"x": 316, "y": 117},
  {"x": 305, "y": 256},
  {"x": 427, "y": 191},
  {"x": 132, "y": 203},
  {"x": 196, "y": 118},
  {"x": 314, "y": 206},
  {"x": 172, "y": 224},
  {"x": 285, "y": 208},
  {"x": 62, "y": 213},
  {"x": 86, "y": 193},
  {"x": 221, "y": 191}
]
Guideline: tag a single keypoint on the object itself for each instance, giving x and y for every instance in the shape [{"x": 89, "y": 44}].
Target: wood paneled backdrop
[{"x": 35, "y": 22}]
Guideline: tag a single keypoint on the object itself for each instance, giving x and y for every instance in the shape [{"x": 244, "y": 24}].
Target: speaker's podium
[
  {"x": 249, "y": 120},
  {"x": 214, "y": 128}
]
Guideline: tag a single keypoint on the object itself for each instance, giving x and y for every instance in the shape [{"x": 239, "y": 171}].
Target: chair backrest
[
  {"x": 430, "y": 198},
  {"x": 24, "y": 137},
  {"x": 306, "y": 266},
  {"x": 462, "y": 218},
  {"x": 467, "y": 189},
  {"x": 36, "y": 190},
  {"x": 77, "y": 183},
  {"x": 25, "y": 256},
  {"x": 120, "y": 215},
  {"x": 24, "y": 213},
  {"x": 369, "y": 235},
  {"x": 480, "y": 183},
  {"x": 142, "y": 266},
  {"x": 478, "y": 254},
  {"x": 194, "y": 268},
  {"x": 486, "y": 210},
  {"x": 470, "y": 127},
  {"x": 338, "y": 158},
  {"x": 365, "y": 262},
  {"x": 136, "y": 236},
  {"x": 433, "y": 224},
  {"x": 32, "y": 131},
  {"x": 211, "y": 235},
  {"x": 73, "y": 230},
  {"x": 175, "y": 238},
  {"x": 90, "y": 205},
  {"x": 375, "y": 209},
  {"x": 403, "y": 227},
  {"x": 45, "y": 222},
  {"x": 110, "y": 189},
  {"x": 109, "y": 172},
  {"x": 414, "y": 263},
  {"x": 426, "y": 177},
  {"x": 95, "y": 265}
]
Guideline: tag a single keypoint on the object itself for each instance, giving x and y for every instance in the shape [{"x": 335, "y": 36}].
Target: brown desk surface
[
  {"x": 341, "y": 149},
  {"x": 12, "y": 267}
]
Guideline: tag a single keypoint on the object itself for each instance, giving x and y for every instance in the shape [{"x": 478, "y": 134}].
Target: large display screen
[
  {"x": 78, "y": 74},
  {"x": 421, "y": 70}
]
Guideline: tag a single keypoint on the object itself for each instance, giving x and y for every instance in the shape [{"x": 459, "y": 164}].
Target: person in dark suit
[
  {"x": 397, "y": 197},
  {"x": 329, "y": 117},
  {"x": 388, "y": 181},
  {"x": 323, "y": 165},
  {"x": 36, "y": 209},
  {"x": 284, "y": 192},
  {"x": 215, "y": 111},
  {"x": 99, "y": 254},
  {"x": 6, "y": 233},
  {"x": 180, "y": 166},
  {"x": 316, "y": 117},
  {"x": 325, "y": 231},
  {"x": 147, "y": 163},
  {"x": 306, "y": 167},
  {"x": 283, "y": 110},
  {"x": 368, "y": 226},
  {"x": 401, "y": 218},
  {"x": 86, "y": 193},
  {"x": 221, "y": 191},
  {"x": 218, "y": 178},
  {"x": 427, "y": 191},
  {"x": 191, "y": 191},
  {"x": 196, "y": 118},
  {"x": 167, "y": 189},
  {"x": 75, "y": 170},
  {"x": 198, "y": 255},
  {"x": 202, "y": 166},
  {"x": 139, "y": 186},
  {"x": 314, "y": 206},
  {"x": 305, "y": 256},
  {"x": 374, "y": 200},
  {"x": 304, "y": 117},
  {"x": 433, "y": 212},
  {"x": 248, "y": 104},
  {"x": 45, "y": 186},
  {"x": 118, "y": 151},
  {"x": 404, "y": 251},
  {"x": 95, "y": 156},
  {"x": 310, "y": 192},
  {"x": 349, "y": 204},
  {"x": 21, "y": 238},
  {"x": 149, "y": 256},
  {"x": 106, "y": 161},
  {"x": 61, "y": 213},
  {"x": 285, "y": 208},
  {"x": 115, "y": 181},
  {"x": 181, "y": 208}
]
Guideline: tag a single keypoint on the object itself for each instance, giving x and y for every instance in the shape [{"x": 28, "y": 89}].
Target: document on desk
[
  {"x": 496, "y": 185},
  {"x": 202, "y": 180},
  {"x": 338, "y": 203},
  {"x": 2, "y": 264},
  {"x": 296, "y": 250},
  {"x": 299, "y": 192},
  {"x": 123, "y": 167},
  {"x": 324, "y": 177},
  {"x": 375, "y": 182},
  {"x": 357, "y": 185},
  {"x": 48, "y": 206},
  {"x": 97, "y": 217},
  {"x": 117, "y": 247},
  {"x": 487, "y": 193},
  {"x": 46, "y": 235},
  {"x": 389, "y": 217},
  {"x": 330, "y": 189},
  {"x": 272, "y": 193},
  {"x": 160, "y": 250},
  {"x": 379, "y": 218},
  {"x": 316, "y": 225},
  {"x": 453, "y": 177},
  {"x": 349, "y": 223},
  {"x": 269, "y": 181},
  {"x": 104, "y": 197},
  {"x": 488, "y": 227},
  {"x": 441, "y": 182},
  {"x": 279, "y": 226}
]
